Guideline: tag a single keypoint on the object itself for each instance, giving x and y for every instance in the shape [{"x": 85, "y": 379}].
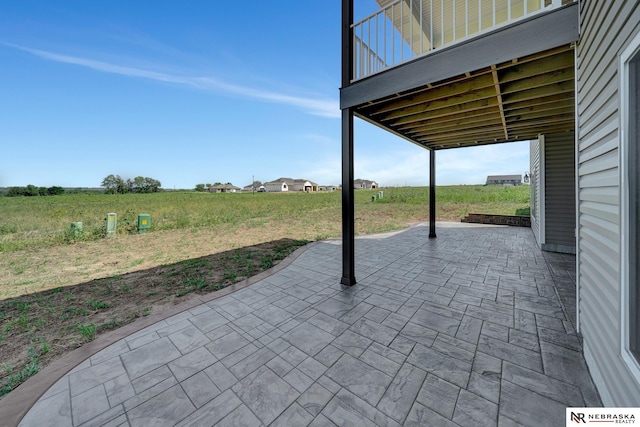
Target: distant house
[
  {"x": 504, "y": 180},
  {"x": 250, "y": 188},
  {"x": 290, "y": 184},
  {"x": 223, "y": 188},
  {"x": 327, "y": 188},
  {"x": 365, "y": 184}
]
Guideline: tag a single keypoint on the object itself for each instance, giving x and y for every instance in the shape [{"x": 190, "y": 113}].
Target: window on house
[{"x": 633, "y": 202}]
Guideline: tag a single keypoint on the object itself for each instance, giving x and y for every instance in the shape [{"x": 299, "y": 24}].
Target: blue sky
[{"x": 194, "y": 92}]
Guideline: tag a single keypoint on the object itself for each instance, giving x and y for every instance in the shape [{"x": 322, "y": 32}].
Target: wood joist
[{"x": 511, "y": 101}]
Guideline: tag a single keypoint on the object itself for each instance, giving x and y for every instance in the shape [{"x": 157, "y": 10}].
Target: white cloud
[{"x": 315, "y": 106}]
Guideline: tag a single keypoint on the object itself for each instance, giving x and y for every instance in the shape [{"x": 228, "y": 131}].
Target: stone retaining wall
[{"x": 513, "y": 220}]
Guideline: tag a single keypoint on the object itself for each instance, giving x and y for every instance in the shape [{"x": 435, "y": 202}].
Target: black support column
[
  {"x": 432, "y": 194},
  {"x": 348, "y": 207}
]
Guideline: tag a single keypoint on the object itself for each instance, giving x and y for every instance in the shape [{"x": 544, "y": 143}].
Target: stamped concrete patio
[{"x": 466, "y": 329}]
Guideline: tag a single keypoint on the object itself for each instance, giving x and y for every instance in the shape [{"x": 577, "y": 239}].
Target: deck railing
[{"x": 405, "y": 29}]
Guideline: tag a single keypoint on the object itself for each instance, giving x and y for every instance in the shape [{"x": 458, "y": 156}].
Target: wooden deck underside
[{"x": 511, "y": 101}]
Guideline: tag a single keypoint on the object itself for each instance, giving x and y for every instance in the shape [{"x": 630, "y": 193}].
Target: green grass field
[{"x": 31, "y": 222}]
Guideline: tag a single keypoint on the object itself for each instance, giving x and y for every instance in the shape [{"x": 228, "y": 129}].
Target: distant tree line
[
  {"x": 32, "y": 190},
  {"x": 202, "y": 187},
  {"x": 114, "y": 184},
  {"x": 205, "y": 187}
]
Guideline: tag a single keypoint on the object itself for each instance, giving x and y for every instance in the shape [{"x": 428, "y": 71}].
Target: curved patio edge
[{"x": 15, "y": 405}]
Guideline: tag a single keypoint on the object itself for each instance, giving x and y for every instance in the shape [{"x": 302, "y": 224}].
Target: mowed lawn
[{"x": 58, "y": 291}]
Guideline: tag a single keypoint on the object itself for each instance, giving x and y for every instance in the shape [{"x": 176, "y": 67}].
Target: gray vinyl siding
[
  {"x": 606, "y": 28},
  {"x": 534, "y": 196},
  {"x": 560, "y": 189}
]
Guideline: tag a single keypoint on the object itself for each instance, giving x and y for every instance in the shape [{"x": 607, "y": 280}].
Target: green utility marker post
[
  {"x": 76, "y": 229},
  {"x": 112, "y": 222},
  {"x": 144, "y": 223}
]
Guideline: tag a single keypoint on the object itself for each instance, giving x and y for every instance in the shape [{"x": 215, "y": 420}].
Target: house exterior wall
[
  {"x": 607, "y": 28},
  {"x": 535, "y": 190},
  {"x": 274, "y": 187},
  {"x": 504, "y": 182},
  {"x": 559, "y": 193},
  {"x": 365, "y": 184}
]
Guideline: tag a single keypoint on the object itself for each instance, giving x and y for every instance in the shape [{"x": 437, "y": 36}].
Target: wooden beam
[
  {"x": 555, "y": 77},
  {"x": 542, "y": 100},
  {"x": 536, "y": 114},
  {"x": 453, "y": 120},
  {"x": 463, "y": 133},
  {"x": 448, "y": 91},
  {"x": 496, "y": 84},
  {"x": 562, "y": 118},
  {"x": 486, "y": 120},
  {"x": 537, "y": 92},
  {"x": 526, "y": 70},
  {"x": 446, "y": 107}
]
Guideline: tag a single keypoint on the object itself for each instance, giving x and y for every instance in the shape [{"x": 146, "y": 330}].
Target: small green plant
[
  {"x": 125, "y": 289},
  {"x": 88, "y": 332},
  {"x": 97, "y": 305},
  {"x": 76, "y": 311},
  {"x": 114, "y": 324},
  {"x": 11, "y": 382},
  {"x": 266, "y": 262},
  {"x": 30, "y": 369},
  {"x": 5, "y": 368},
  {"x": 229, "y": 275}
]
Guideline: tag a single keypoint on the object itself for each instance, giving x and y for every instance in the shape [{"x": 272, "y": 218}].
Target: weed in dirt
[
  {"x": 76, "y": 311},
  {"x": 22, "y": 306},
  {"x": 97, "y": 305},
  {"x": 10, "y": 381},
  {"x": 108, "y": 326},
  {"x": 266, "y": 262},
  {"x": 88, "y": 332},
  {"x": 229, "y": 275},
  {"x": 125, "y": 289}
]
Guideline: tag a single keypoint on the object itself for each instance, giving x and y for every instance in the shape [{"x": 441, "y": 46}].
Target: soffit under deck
[{"x": 511, "y": 101}]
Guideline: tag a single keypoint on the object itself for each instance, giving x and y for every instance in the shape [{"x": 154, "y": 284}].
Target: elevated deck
[{"x": 508, "y": 84}]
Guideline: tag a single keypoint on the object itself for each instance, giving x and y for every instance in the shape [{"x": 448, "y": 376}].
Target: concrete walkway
[{"x": 466, "y": 329}]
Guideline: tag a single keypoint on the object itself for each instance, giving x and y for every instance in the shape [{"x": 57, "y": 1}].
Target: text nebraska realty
[{"x": 603, "y": 418}]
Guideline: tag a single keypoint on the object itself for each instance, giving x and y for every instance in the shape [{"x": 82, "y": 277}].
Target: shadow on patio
[{"x": 465, "y": 329}]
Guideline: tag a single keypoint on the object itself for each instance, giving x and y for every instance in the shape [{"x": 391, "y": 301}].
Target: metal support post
[
  {"x": 432, "y": 194},
  {"x": 348, "y": 206}
]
